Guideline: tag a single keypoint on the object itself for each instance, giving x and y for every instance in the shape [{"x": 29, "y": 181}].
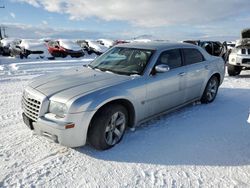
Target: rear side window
[
  {"x": 192, "y": 56},
  {"x": 172, "y": 58}
]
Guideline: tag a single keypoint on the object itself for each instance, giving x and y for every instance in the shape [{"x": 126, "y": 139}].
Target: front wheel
[
  {"x": 210, "y": 90},
  {"x": 108, "y": 127},
  {"x": 233, "y": 70}
]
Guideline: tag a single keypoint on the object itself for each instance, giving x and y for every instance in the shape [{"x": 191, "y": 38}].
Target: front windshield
[{"x": 121, "y": 60}]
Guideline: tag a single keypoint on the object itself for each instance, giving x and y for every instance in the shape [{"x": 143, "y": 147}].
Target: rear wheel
[
  {"x": 210, "y": 90},
  {"x": 233, "y": 70},
  {"x": 108, "y": 127}
]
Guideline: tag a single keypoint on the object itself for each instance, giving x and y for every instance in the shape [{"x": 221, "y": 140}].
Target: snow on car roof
[
  {"x": 33, "y": 45},
  {"x": 97, "y": 46},
  {"x": 68, "y": 44},
  {"x": 8, "y": 41}
]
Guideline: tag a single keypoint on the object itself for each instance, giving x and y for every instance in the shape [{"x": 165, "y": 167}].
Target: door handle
[{"x": 182, "y": 74}]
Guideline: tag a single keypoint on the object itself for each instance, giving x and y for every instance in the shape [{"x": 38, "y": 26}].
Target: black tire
[
  {"x": 102, "y": 131},
  {"x": 233, "y": 70},
  {"x": 211, "y": 90},
  {"x": 63, "y": 55}
]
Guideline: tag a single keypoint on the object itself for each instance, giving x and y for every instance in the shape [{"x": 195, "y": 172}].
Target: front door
[{"x": 166, "y": 90}]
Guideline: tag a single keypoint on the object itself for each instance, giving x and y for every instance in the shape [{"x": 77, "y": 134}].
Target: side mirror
[{"x": 162, "y": 68}]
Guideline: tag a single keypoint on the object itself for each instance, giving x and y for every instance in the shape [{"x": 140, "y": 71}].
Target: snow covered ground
[{"x": 197, "y": 146}]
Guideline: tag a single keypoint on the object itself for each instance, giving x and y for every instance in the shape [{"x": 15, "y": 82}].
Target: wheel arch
[
  {"x": 218, "y": 76},
  {"x": 124, "y": 102}
]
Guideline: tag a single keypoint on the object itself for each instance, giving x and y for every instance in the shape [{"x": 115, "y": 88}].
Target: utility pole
[
  {"x": 1, "y": 36},
  {"x": 4, "y": 33}
]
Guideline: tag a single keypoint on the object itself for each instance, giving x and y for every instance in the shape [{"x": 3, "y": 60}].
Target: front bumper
[
  {"x": 55, "y": 130},
  {"x": 240, "y": 60}
]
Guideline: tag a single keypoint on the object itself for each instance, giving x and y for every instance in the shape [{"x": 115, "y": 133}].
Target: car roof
[{"x": 155, "y": 45}]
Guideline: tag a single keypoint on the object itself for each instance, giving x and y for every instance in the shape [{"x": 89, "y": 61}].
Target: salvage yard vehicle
[
  {"x": 122, "y": 88},
  {"x": 33, "y": 48},
  {"x": 91, "y": 46},
  {"x": 106, "y": 42},
  {"x": 63, "y": 48},
  {"x": 16, "y": 51},
  {"x": 96, "y": 47},
  {"x": 215, "y": 48},
  {"x": 6, "y": 44},
  {"x": 239, "y": 58}
]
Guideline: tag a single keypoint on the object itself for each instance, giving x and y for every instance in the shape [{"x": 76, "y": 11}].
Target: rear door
[{"x": 197, "y": 71}]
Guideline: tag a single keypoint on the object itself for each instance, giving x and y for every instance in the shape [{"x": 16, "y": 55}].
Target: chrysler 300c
[{"x": 124, "y": 87}]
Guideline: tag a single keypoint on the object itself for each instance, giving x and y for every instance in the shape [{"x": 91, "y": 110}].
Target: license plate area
[{"x": 27, "y": 121}]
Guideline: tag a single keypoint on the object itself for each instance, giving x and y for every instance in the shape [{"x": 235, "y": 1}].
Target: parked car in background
[
  {"x": 121, "y": 42},
  {"x": 95, "y": 47},
  {"x": 106, "y": 42},
  {"x": 91, "y": 46},
  {"x": 215, "y": 48},
  {"x": 239, "y": 58},
  {"x": 84, "y": 45},
  {"x": 16, "y": 51},
  {"x": 231, "y": 45},
  {"x": 6, "y": 43},
  {"x": 63, "y": 48},
  {"x": 124, "y": 87},
  {"x": 34, "y": 48}
]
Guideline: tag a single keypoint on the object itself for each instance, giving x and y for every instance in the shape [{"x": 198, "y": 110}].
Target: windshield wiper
[
  {"x": 114, "y": 71},
  {"x": 95, "y": 68},
  {"x": 92, "y": 67}
]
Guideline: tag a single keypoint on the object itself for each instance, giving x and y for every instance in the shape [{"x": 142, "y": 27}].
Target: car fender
[{"x": 94, "y": 101}]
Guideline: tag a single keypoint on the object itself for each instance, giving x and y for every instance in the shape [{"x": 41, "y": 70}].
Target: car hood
[
  {"x": 243, "y": 43},
  {"x": 64, "y": 86}
]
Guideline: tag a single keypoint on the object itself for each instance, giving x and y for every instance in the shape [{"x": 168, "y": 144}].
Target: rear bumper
[{"x": 55, "y": 129}]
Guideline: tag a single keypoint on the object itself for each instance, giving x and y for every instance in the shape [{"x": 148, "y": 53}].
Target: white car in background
[
  {"x": 106, "y": 42},
  {"x": 33, "y": 48},
  {"x": 96, "y": 47},
  {"x": 6, "y": 43},
  {"x": 239, "y": 59},
  {"x": 231, "y": 45}
]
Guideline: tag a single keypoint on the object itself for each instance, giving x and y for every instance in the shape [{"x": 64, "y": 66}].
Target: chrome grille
[{"x": 31, "y": 107}]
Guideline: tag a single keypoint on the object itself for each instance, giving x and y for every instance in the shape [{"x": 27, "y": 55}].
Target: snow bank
[{"x": 201, "y": 145}]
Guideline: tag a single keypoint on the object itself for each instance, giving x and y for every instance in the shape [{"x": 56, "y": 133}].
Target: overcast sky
[{"x": 162, "y": 19}]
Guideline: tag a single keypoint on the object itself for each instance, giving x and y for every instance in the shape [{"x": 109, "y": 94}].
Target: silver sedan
[{"x": 122, "y": 88}]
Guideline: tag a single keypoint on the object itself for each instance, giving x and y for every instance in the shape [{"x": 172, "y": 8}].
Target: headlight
[
  {"x": 238, "y": 51},
  {"x": 58, "y": 108}
]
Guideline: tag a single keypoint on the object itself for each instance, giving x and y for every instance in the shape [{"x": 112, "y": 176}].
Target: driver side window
[{"x": 172, "y": 58}]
